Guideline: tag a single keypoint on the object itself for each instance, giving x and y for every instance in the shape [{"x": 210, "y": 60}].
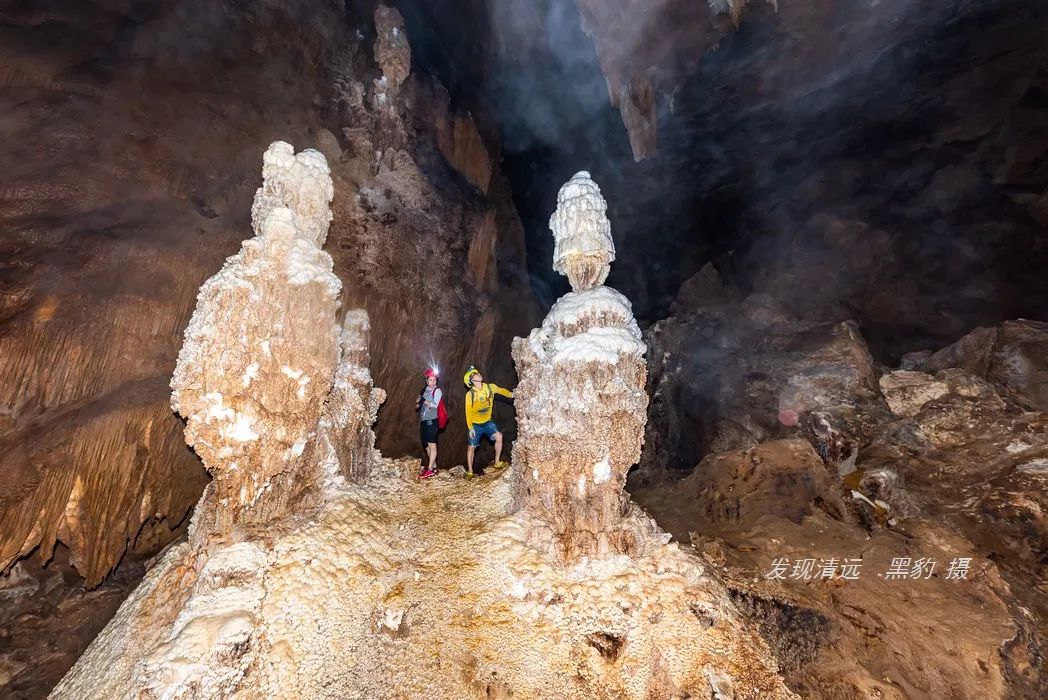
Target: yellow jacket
[{"x": 479, "y": 402}]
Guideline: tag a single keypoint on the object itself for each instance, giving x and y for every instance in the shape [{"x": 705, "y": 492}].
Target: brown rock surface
[
  {"x": 392, "y": 51},
  {"x": 729, "y": 374},
  {"x": 1011, "y": 355},
  {"x": 114, "y": 230},
  {"x": 869, "y": 635},
  {"x": 463, "y": 147},
  {"x": 113, "y": 223},
  {"x": 779, "y": 477},
  {"x": 907, "y": 391},
  {"x": 644, "y": 47},
  {"x": 49, "y": 616},
  {"x": 953, "y": 472},
  {"x": 438, "y": 265}
]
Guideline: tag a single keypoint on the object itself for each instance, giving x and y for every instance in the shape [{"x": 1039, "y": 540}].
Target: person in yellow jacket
[{"x": 480, "y": 400}]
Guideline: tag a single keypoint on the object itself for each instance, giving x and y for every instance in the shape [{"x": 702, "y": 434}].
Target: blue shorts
[{"x": 481, "y": 431}]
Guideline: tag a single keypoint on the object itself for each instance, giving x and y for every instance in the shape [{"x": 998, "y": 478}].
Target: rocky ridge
[{"x": 784, "y": 441}]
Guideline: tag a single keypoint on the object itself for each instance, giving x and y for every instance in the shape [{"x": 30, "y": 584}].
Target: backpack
[{"x": 442, "y": 413}]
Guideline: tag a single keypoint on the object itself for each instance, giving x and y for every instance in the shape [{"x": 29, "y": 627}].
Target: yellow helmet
[{"x": 467, "y": 378}]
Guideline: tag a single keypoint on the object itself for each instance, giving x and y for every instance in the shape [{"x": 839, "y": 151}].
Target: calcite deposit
[
  {"x": 262, "y": 346},
  {"x": 583, "y": 247},
  {"x": 581, "y": 402},
  {"x": 353, "y": 403},
  {"x": 380, "y": 585}
]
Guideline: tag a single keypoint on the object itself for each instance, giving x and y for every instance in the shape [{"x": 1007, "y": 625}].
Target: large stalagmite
[
  {"x": 581, "y": 401},
  {"x": 262, "y": 346},
  {"x": 315, "y": 568}
]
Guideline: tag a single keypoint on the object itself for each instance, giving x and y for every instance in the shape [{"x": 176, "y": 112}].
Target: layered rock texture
[
  {"x": 775, "y": 442},
  {"x": 581, "y": 395},
  {"x": 295, "y": 581},
  {"x": 113, "y": 222}
]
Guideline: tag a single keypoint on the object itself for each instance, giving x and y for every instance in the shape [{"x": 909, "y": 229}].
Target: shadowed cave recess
[{"x": 829, "y": 229}]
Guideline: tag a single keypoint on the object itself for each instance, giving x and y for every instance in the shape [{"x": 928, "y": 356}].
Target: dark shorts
[
  {"x": 429, "y": 430},
  {"x": 483, "y": 430}
]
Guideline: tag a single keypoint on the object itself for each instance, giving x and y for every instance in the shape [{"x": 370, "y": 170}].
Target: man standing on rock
[{"x": 480, "y": 399}]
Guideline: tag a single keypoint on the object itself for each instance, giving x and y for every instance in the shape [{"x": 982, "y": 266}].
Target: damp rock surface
[{"x": 840, "y": 498}]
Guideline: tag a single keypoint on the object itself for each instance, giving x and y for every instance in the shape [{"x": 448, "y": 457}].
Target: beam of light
[{"x": 433, "y": 363}]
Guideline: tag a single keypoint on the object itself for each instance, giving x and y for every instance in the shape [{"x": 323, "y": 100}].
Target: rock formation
[
  {"x": 425, "y": 236},
  {"x": 352, "y": 406},
  {"x": 387, "y": 585},
  {"x": 392, "y": 51},
  {"x": 804, "y": 450},
  {"x": 262, "y": 346},
  {"x": 581, "y": 397},
  {"x": 637, "y": 66}
]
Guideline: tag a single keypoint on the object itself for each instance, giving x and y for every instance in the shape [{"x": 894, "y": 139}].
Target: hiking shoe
[
  {"x": 469, "y": 475},
  {"x": 426, "y": 473},
  {"x": 500, "y": 465}
]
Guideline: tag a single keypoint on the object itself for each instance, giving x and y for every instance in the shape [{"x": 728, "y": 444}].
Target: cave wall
[
  {"x": 131, "y": 134},
  {"x": 882, "y": 162}
]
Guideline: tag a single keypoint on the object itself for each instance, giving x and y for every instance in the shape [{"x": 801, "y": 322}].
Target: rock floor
[{"x": 410, "y": 589}]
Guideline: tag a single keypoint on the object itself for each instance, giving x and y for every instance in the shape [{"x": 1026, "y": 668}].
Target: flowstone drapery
[{"x": 581, "y": 402}]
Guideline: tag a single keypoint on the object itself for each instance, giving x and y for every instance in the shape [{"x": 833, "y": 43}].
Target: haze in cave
[{"x": 496, "y": 349}]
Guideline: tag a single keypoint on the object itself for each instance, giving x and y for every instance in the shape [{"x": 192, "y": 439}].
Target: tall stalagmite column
[
  {"x": 352, "y": 406},
  {"x": 262, "y": 347},
  {"x": 581, "y": 403}
]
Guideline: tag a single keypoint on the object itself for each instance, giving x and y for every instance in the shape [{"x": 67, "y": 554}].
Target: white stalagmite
[
  {"x": 352, "y": 405},
  {"x": 316, "y": 569},
  {"x": 583, "y": 247},
  {"x": 262, "y": 346},
  {"x": 581, "y": 402}
]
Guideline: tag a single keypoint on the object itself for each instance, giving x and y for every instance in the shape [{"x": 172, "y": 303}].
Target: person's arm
[
  {"x": 467, "y": 404},
  {"x": 499, "y": 390}
]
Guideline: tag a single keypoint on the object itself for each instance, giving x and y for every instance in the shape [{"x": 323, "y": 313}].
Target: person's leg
[
  {"x": 431, "y": 448},
  {"x": 469, "y": 458},
  {"x": 425, "y": 447},
  {"x": 498, "y": 448}
]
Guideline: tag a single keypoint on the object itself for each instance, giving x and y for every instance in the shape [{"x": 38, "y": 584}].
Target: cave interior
[{"x": 830, "y": 219}]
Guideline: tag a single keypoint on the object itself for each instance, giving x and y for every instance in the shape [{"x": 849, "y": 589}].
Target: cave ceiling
[{"x": 879, "y": 161}]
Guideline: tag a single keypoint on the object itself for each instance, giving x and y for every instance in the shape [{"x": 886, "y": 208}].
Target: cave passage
[{"x": 766, "y": 281}]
